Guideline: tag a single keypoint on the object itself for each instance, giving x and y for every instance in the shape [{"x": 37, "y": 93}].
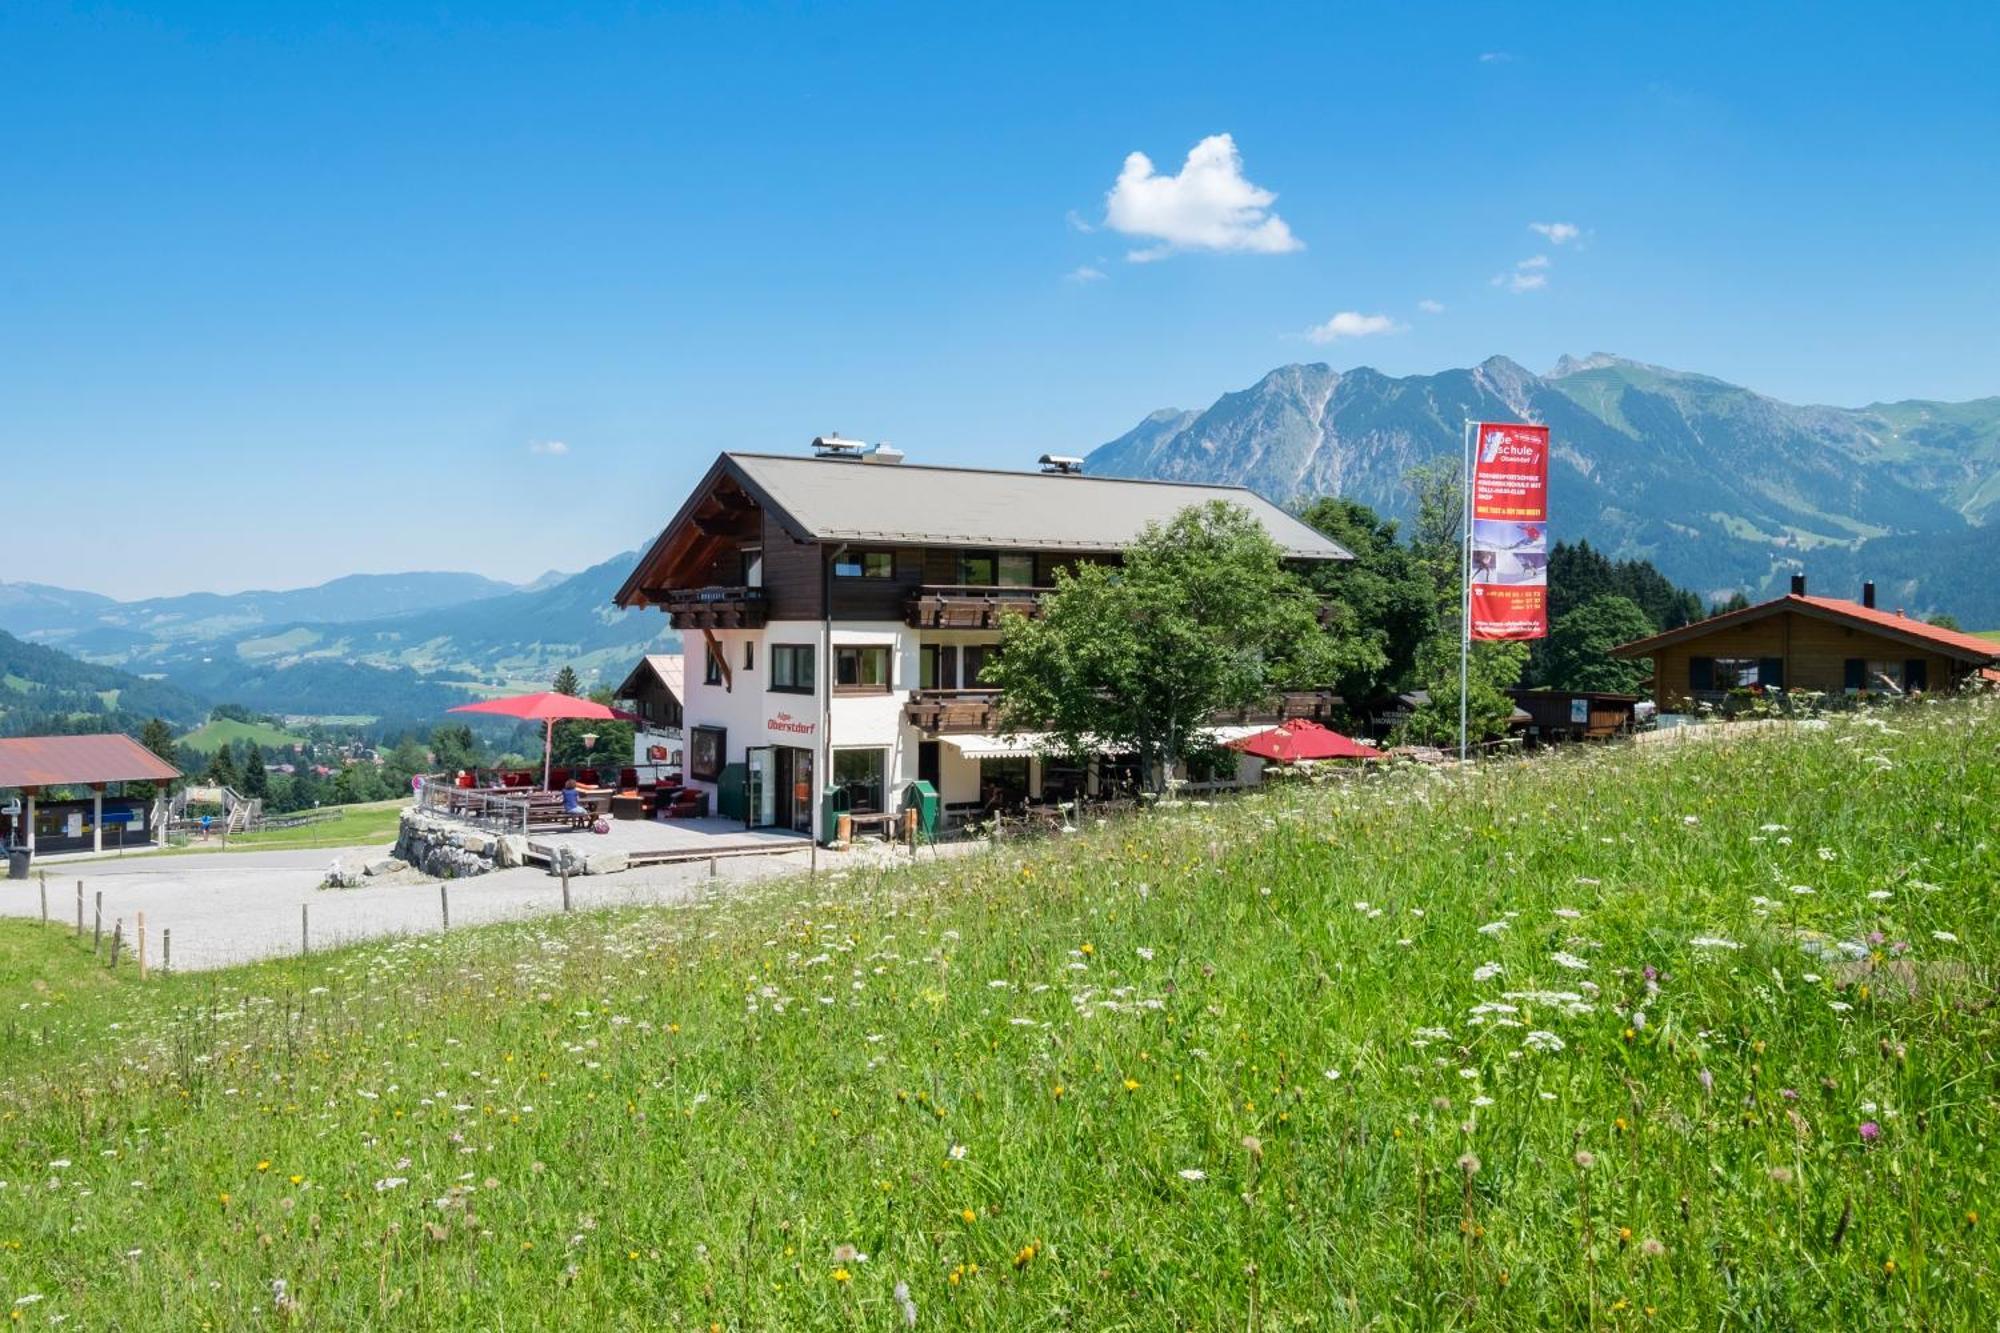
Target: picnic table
[{"x": 884, "y": 820}]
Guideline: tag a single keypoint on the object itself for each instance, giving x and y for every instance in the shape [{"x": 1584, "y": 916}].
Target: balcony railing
[
  {"x": 968, "y": 606},
  {"x": 714, "y": 607},
  {"x": 977, "y": 712},
  {"x": 953, "y": 712}
]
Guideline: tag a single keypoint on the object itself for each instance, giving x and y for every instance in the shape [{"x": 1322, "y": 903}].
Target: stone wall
[{"x": 448, "y": 849}]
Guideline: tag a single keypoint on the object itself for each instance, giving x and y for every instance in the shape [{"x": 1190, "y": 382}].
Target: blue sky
[{"x": 286, "y": 293}]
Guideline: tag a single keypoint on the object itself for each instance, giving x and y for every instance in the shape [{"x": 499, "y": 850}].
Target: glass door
[
  {"x": 802, "y": 790},
  {"x": 760, "y": 787}
]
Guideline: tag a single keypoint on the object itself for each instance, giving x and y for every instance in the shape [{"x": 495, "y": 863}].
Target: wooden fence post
[
  {"x": 565, "y": 880},
  {"x": 97, "y": 924},
  {"x": 79, "y": 909},
  {"x": 444, "y": 905},
  {"x": 140, "y": 940},
  {"x": 45, "y": 899},
  {"x": 117, "y": 940},
  {"x": 305, "y": 940},
  {"x": 167, "y": 949}
]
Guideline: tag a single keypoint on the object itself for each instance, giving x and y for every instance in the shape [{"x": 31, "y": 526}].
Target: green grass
[
  {"x": 1993, "y": 634},
  {"x": 1221, "y": 1067},
  {"x": 352, "y": 826},
  {"x": 215, "y": 733}
]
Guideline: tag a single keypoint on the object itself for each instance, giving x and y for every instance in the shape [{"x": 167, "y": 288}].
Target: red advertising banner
[{"x": 1509, "y": 594}]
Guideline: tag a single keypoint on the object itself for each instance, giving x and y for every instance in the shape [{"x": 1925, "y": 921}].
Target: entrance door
[
  {"x": 760, "y": 787},
  {"x": 800, "y": 787},
  {"x": 928, "y": 767}
]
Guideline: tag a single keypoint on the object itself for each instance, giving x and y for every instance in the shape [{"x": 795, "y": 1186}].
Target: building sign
[
  {"x": 1579, "y": 712},
  {"x": 706, "y": 747},
  {"x": 1509, "y": 513},
  {"x": 785, "y": 722}
]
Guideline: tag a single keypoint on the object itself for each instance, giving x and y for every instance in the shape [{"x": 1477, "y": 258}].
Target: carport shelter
[{"x": 34, "y": 765}]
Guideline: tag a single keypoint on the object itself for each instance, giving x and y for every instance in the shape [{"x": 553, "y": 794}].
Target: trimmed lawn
[{"x": 217, "y": 732}]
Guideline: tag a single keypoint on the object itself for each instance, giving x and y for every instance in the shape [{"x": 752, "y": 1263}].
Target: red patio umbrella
[
  {"x": 548, "y": 708},
  {"x": 1303, "y": 739}
]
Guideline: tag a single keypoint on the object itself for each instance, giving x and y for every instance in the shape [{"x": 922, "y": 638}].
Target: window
[
  {"x": 866, "y": 565},
  {"x": 711, "y": 666},
  {"x": 705, "y": 750},
  {"x": 749, "y": 654},
  {"x": 977, "y": 568},
  {"x": 1719, "y": 675},
  {"x": 1017, "y": 571},
  {"x": 861, "y": 668},
  {"x": 978, "y": 657},
  {"x": 792, "y": 667},
  {"x": 1886, "y": 677},
  {"x": 1003, "y": 783},
  {"x": 927, "y": 667},
  {"x": 753, "y": 566},
  {"x": 861, "y": 775}
]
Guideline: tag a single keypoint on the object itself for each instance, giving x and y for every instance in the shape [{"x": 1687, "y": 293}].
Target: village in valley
[{"x": 1454, "y": 848}]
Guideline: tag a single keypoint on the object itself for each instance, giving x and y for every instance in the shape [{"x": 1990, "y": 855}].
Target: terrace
[{"x": 717, "y": 606}]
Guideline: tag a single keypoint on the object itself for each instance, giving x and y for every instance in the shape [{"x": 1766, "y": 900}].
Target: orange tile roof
[
  {"x": 1903, "y": 624},
  {"x": 1952, "y": 642}
]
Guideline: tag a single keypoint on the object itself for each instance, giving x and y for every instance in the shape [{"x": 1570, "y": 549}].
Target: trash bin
[
  {"x": 923, "y": 798},
  {"x": 17, "y": 862}
]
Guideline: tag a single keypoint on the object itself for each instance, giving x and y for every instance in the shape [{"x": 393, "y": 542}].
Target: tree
[
  {"x": 455, "y": 747},
  {"x": 1494, "y": 667},
  {"x": 1437, "y": 538},
  {"x": 1580, "y": 644},
  {"x": 1944, "y": 620},
  {"x": 1382, "y": 597},
  {"x": 222, "y": 767},
  {"x": 158, "y": 737},
  {"x": 566, "y": 681},
  {"x": 1134, "y": 659},
  {"x": 256, "y": 778}
]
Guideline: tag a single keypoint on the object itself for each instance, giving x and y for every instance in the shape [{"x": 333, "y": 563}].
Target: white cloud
[
  {"x": 1430, "y": 307},
  {"x": 1352, "y": 324},
  {"x": 1531, "y": 274},
  {"x": 1494, "y": 57},
  {"x": 1078, "y": 222},
  {"x": 548, "y": 448},
  {"x": 1207, "y": 206},
  {"x": 1085, "y": 273},
  {"x": 1558, "y": 233}
]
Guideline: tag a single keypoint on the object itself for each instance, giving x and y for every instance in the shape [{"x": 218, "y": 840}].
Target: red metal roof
[
  {"x": 65, "y": 761},
  {"x": 1949, "y": 641}
]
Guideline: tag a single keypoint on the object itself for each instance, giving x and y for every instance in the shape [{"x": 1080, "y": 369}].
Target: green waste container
[
  {"x": 923, "y": 797},
  {"x": 833, "y": 803}
]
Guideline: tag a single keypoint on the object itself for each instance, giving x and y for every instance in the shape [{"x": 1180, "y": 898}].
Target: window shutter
[
  {"x": 1771, "y": 672},
  {"x": 1916, "y": 674},
  {"x": 948, "y": 667},
  {"x": 1857, "y": 673},
  {"x": 1701, "y": 673}
]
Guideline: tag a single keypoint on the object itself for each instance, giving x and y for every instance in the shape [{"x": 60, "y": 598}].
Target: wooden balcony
[
  {"x": 968, "y": 606},
  {"x": 977, "y": 712},
  {"x": 1317, "y": 705},
  {"x": 713, "y": 607},
  {"x": 953, "y": 712}
]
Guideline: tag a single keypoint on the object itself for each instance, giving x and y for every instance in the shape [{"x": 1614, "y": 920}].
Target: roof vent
[
  {"x": 884, "y": 452},
  {"x": 831, "y": 445},
  {"x": 1062, "y": 465}
]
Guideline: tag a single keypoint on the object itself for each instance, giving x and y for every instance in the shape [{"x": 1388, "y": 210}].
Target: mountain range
[
  {"x": 1724, "y": 489},
  {"x": 402, "y": 646}
]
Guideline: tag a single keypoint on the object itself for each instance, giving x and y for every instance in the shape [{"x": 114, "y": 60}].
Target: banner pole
[{"x": 1465, "y": 597}]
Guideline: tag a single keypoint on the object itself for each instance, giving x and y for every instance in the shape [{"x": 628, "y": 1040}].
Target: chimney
[
  {"x": 1061, "y": 465},
  {"x": 884, "y": 453},
  {"x": 1798, "y": 585},
  {"x": 1868, "y": 594}
]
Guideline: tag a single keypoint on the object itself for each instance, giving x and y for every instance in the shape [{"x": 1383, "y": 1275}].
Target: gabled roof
[
  {"x": 913, "y": 504},
  {"x": 666, "y": 668},
  {"x": 79, "y": 761},
  {"x": 1890, "y": 624}
]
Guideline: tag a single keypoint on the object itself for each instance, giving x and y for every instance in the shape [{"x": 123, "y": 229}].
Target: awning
[
  {"x": 1224, "y": 735},
  {"x": 57, "y": 761},
  {"x": 1001, "y": 747}
]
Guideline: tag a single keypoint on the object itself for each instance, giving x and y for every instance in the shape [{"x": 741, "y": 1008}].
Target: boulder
[{"x": 385, "y": 865}]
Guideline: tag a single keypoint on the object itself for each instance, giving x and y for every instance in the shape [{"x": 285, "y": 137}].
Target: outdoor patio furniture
[
  {"x": 628, "y": 805},
  {"x": 690, "y": 803}
]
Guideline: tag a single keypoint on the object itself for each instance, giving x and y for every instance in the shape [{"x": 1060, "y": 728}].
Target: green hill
[
  {"x": 45, "y": 691},
  {"x": 212, "y": 735},
  {"x": 1693, "y": 1035}
]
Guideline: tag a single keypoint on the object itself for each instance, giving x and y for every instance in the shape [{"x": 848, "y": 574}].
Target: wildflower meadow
[{"x": 1675, "y": 1036}]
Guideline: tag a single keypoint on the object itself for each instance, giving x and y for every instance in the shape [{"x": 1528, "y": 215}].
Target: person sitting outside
[{"x": 573, "y": 802}]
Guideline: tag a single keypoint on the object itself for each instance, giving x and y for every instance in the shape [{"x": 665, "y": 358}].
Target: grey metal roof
[{"x": 910, "y": 503}]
